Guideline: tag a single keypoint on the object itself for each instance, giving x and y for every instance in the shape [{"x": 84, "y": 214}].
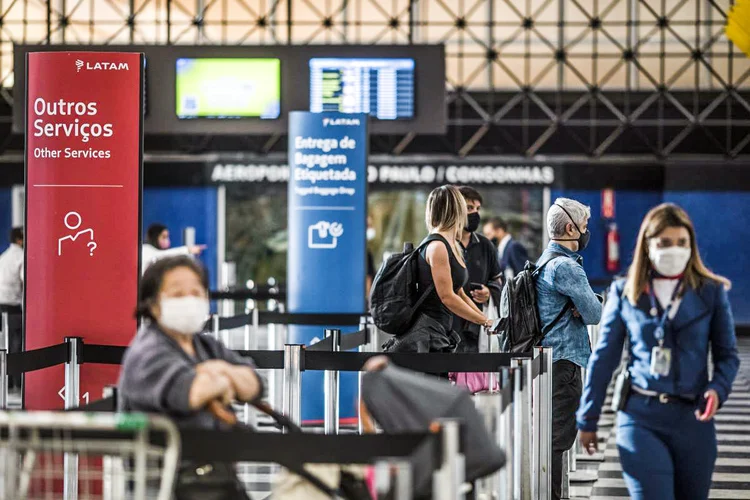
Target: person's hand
[
  {"x": 576, "y": 314},
  {"x": 481, "y": 296},
  {"x": 196, "y": 249},
  {"x": 228, "y": 395},
  {"x": 712, "y": 406},
  {"x": 213, "y": 367},
  {"x": 589, "y": 442}
]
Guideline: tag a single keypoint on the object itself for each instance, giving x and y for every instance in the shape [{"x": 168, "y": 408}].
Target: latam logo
[
  {"x": 101, "y": 66},
  {"x": 333, "y": 122}
]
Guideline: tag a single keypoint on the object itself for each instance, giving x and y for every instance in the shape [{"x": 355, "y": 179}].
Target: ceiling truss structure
[{"x": 528, "y": 77}]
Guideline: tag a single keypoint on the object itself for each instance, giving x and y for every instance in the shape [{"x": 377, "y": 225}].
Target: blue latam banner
[{"x": 327, "y": 234}]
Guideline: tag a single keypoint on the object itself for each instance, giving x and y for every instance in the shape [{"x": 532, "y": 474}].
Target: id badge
[{"x": 661, "y": 361}]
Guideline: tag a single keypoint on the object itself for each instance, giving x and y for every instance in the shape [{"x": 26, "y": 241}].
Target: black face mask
[
  {"x": 583, "y": 238},
  {"x": 472, "y": 223}
]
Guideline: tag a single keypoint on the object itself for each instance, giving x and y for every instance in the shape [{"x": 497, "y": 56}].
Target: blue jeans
[{"x": 666, "y": 454}]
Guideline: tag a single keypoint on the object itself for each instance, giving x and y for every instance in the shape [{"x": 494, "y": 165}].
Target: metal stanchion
[
  {"x": 507, "y": 473},
  {"x": 292, "y": 381},
  {"x": 448, "y": 480},
  {"x": 565, "y": 491},
  {"x": 489, "y": 406},
  {"x": 226, "y": 307},
  {"x": 393, "y": 480},
  {"x": 331, "y": 389},
  {"x": 5, "y": 332},
  {"x": 543, "y": 426},
  {"x": 3, "y": 379},
  {"x": 113, "y": 472},
  {"x": 365, "y": 323},
  {"x": 72, "y": 392},
  {"x": 251, "y": 344},
  {"x": 215, "y": 326},
  {"x": 522, "y": 427}
]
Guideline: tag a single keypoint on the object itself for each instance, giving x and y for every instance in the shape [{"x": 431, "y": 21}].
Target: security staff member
[
  {"x": 672, "y": 309},
  {"x": 481, "y": 260},
  {"x": 11, "y": 294}
]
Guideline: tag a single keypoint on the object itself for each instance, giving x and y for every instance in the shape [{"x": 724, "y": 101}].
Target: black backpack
[
  {"x": 520, "y": 327},
  {"x": 395, "y": 296}
]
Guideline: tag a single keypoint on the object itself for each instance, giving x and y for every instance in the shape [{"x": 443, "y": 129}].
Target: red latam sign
[{"x": 83, "y": 198}]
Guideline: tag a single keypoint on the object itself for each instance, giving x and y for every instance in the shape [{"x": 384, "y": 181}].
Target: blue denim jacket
[
  {"x": 703, "y": 320},
  {"x": 561, "y": 280}
]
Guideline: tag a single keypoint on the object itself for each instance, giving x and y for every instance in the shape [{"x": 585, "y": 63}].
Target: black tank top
[{"x": 433, "y": 306}]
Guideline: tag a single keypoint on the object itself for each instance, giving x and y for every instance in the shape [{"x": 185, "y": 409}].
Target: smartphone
[
  {"x": 495, "y": 325},
  {"x": 475, "y": 286}
]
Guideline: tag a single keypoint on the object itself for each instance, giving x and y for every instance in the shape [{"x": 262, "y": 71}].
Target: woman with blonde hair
[
  {"x": 672, "y": 309},
  {"x": 441, "y": 276}
]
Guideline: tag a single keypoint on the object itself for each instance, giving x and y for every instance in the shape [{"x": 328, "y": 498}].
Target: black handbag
[
  {"x": 209, "y": 481},
  {"x": 622, "y": 389}
]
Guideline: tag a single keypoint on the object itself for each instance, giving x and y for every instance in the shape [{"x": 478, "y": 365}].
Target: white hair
[{"x": 557, "y": 219}]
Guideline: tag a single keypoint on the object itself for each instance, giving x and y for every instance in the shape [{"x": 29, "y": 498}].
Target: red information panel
[{"x": 83, "y": 200}]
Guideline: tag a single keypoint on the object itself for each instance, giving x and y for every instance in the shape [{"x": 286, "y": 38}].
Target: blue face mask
[{"x": 583, "y": 238}]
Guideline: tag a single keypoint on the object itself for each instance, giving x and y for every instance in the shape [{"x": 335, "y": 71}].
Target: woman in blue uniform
[{"x": 672, "y": 309}]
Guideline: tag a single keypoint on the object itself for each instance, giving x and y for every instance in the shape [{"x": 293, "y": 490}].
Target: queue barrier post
[
  {"x": 4, "y": 330},
  {"x": 507, "y": 473},
  {"x": 250, "y": 343},
  {"x": 292, "y": 382},
  {"x": 490, "y": 407},
  {"x": 72, "y": 400},
  {"x": 365, "y": 323},
  {"x": 3, "y": 379},
  {"x": 447, "y": 481},
  {"x": 331, "y": 388},
  {"x": 215, "y": 326},
  {"x": 542, "y": 393},
  {"x": 522, "y": 429},
  {"x": 393, "y": 480},
  {"x": 113, "y": 470}
]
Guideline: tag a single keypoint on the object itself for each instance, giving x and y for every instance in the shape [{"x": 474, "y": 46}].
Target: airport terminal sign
[
  {"x": 406, "y": 173},
  {"x": 327, "y": 178},
  {"x": 83, "y": 185}
]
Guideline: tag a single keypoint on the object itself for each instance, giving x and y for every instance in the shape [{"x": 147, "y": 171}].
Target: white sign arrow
[{"x": 61, "y": 393}]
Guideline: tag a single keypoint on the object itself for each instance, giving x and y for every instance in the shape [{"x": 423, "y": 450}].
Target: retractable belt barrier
[{"x": 518, "y": 411}]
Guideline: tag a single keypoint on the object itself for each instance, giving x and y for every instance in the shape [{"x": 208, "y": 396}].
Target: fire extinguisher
[{"x": 613, "y": 248}]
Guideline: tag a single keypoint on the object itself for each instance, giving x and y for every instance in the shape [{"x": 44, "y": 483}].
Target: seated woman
[{"x": 168, "y": 369}]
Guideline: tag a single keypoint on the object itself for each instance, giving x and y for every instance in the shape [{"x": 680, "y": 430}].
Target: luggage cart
[{"x": 87, "y": 456}]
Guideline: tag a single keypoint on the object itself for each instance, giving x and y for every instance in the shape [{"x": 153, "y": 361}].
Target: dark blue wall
[
  {"x": 6, "y": 217},
  {"x": 722, "y": 223},
  {"x": 181, "y": 207},
  {"x": 721, "y": 220}
]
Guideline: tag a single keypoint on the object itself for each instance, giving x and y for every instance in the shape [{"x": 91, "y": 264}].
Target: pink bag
[{"x": 474, "y": 381}]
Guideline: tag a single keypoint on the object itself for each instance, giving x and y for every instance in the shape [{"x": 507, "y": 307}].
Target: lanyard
[{"x": 659, "y": 332}]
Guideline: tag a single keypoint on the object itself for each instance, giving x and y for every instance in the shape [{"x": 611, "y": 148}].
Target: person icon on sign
[{"x": 73, "y": 221}]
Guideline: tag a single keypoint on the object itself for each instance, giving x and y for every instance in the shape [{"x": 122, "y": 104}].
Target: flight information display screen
[{"x": 382, "y": 87}]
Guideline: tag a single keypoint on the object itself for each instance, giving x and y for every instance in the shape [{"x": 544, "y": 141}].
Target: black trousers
[
  {"x": 15, "y": 337},
  {"x": 566, "y": 394}
]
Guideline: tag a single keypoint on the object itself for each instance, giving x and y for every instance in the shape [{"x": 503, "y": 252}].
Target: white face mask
[
  {"x": 371, "y": 233},
  {"x": 185, "y": 315},
  {"x": 670, "y": 261}
]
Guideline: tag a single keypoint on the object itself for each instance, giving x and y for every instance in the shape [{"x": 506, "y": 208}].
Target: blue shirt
[
  {"x": 560, "y": 281},
  {"x": 703, "y": 320}
]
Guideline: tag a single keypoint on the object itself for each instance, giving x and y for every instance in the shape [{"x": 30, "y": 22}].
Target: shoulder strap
[
  {"x": 568, "y": 305},
  {"x": 430, "y": 238}
]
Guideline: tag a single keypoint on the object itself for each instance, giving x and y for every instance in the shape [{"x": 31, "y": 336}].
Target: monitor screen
[
  {"x": 228, "y": 88},
  {"x": 382, "y": 87}
]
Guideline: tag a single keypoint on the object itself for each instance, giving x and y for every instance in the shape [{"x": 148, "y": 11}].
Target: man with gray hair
[{"x": 566, "y": 301}]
